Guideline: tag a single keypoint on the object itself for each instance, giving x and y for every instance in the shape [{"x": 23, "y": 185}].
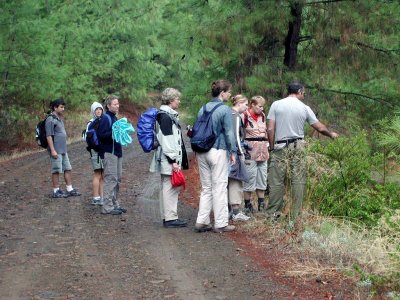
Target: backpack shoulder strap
[
  {"x": 214, "y": 108},
  {"x": 108, "y": 118},
  {"x": 174, "y": 120},
  {"x": 263, "y": 117},
  {"x": 48, "y": 116},
  {"x": 245, "y": 119}
]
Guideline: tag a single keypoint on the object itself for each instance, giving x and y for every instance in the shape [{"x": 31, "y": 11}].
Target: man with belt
[{"x": 286, "y": 120}]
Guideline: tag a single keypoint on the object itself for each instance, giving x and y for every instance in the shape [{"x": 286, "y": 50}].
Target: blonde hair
[
  {"x": 169, "y": 94},
  {"x": 257, "y": 99},
  {"x": 238, "y": 99}
]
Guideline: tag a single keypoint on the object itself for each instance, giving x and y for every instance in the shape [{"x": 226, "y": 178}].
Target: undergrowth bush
[
  {"x": 14, "y": 124},
  {"x": 340, "y": 182}
]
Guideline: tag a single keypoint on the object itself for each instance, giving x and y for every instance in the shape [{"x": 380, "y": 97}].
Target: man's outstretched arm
[{"x": 321, "y": 128}]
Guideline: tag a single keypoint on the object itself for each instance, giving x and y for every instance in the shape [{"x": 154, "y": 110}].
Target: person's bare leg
[
  {"x": 96, "y": 182},
  {"x": 67, "y": 178},
  {"x": 55, "y": 180}
]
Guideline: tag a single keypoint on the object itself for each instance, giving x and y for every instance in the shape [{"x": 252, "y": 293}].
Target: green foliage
[
  {"x": 347, "y": 190},
  {"x": 82, "y": 50},
  {"x": 11, "y": 123},
  {"x": 389, "y": 134}
]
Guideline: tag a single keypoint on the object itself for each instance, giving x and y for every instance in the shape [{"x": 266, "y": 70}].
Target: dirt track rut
[{"x": 64, "y": 249}]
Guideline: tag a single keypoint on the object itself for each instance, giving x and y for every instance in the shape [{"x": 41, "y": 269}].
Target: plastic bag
[
  {"x": 121, "y": 131},
  {"x": 178, "y": 179}
]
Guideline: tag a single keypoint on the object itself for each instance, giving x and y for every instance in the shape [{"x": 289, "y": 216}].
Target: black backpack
[
  {"x": 203, "y": 136},
  {"x": 40, "y": 132}
]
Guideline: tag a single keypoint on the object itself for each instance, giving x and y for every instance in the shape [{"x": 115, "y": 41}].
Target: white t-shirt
[{"x": 290, "y": 115}]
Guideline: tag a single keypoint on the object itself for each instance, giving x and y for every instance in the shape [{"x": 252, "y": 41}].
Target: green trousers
[{"x": 287, "y": 165}]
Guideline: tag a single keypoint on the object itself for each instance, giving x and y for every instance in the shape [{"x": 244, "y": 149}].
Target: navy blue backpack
[
  {"x": 203, "y": 136},
  {"x": 92, "y": 140}
]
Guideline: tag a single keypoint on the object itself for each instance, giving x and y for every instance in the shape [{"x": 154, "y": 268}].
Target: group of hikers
[
  {"x": 247, "y": 148},
  {"x": 106, "y": 162}
]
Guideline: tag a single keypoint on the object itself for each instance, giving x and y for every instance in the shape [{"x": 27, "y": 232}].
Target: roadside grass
[
  {"x": 17, "y": 154},
  {"x": 75, "y": 123},
  {"x": 74, "y": 134},
  {"x": 34, "y": 149},
  {"x": 322, "y": 247}
]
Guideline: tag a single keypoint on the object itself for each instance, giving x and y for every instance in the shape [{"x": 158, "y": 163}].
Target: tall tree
[{"x": 293, "y": 35}]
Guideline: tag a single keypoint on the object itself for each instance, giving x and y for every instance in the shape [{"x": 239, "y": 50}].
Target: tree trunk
[
  {"x": 64, "y": 46},
  {"x": 292, "y": 38}
]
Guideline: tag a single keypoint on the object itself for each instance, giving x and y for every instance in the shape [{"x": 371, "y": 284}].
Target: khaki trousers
[
  {"x": 112, "y": 180},
  {"x": 289, "y": 162},
  {"x": 235, "y": 191},
  {"x": 213, "y": 169},
  {"x": 168, "y": 199}
]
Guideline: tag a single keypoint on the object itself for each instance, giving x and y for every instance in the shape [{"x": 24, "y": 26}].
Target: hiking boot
[
  {"x": 240, "y": 217},
  {"x": 261, "y": 205},
  {"x": 123, "y": 210},
  {"x": 112, "y": 212},
  {"x": 73, "y": 193},
  {"x": 198, "y": 227},
  {"x": 249, "y": 209},
  {"x": 227, "y": 228},
  {"x": 175, "y": 223},
  {"x": 59, "y": 194}
]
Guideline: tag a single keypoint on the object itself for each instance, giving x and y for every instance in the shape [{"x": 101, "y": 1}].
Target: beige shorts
[
  {"x": 97, "y": 162},
  {"x": 257, "y": 171}
]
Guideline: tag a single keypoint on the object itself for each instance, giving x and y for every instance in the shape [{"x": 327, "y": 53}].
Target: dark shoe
[
  {"x": 73, "y": 193},
  {"x": 261, "y": 205},
  {"x": 113, "y": 212},
  {"x": 202, "y": 227},
  {"x": 59, "y": 194},
  {"x": 123, "y": 210},
  {"x": 249, "y": 209},
  {"x": 175, "y": 223},
  {"x": 227, "y": 228}
]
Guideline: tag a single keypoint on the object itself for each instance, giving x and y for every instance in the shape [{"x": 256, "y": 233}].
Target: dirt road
[{"x": 64, "y": 248}]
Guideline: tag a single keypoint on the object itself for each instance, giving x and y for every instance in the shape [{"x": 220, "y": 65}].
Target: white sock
[
  {"x": 97, "y": 198},
  {"x": 55, "y": 189},
  {"x": 69, "y": 188}
]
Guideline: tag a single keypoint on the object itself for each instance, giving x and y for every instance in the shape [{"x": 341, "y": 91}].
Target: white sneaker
[
  {"x": 97, "y": 201},
  {"x": 240, "y": 217}
]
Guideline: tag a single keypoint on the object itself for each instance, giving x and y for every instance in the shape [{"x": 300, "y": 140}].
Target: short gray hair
[{"x": 169, "y": 94}]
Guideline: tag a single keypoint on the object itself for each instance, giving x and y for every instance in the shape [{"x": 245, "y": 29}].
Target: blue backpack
[
  {"x": 146, "y": 129},
  {"x": 92, "y": 140},
  {"x": 203, "y": 136}
]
